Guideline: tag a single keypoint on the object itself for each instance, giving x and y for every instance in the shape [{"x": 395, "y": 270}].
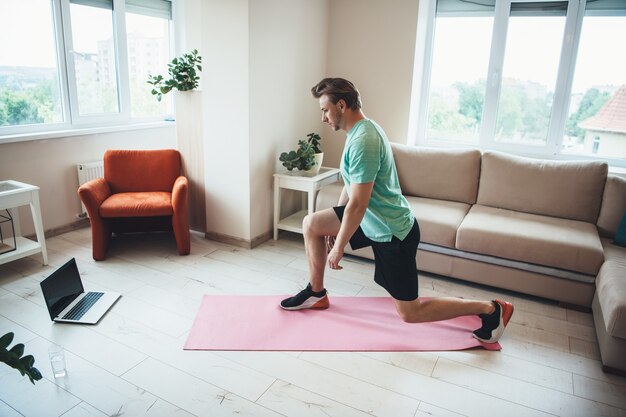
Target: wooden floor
[{"x": 132, "y": 362}]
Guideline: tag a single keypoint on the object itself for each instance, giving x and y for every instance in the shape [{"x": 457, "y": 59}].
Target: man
[{"x": 373, "y": 212}]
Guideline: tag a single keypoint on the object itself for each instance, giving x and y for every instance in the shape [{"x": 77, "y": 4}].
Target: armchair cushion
[{"x": 155, "y": 203}]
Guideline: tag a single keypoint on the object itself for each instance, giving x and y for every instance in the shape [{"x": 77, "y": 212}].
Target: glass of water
[{"x": 57, "y": 361}]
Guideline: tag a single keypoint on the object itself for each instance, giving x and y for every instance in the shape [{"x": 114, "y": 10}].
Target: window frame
[
  {"x": 73, "y": 121},
  {"x": 418, "y": 118}
]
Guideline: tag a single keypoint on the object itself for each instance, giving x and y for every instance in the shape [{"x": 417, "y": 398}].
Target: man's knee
[
  {"x": 309, "y": 224},
  {"x": 409, "y": 317},
  {"x": 409, "y": 311},
  {"x": 321, "y": 223}
]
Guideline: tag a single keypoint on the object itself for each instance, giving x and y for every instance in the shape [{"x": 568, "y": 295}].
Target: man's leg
[
  {"x": 495, "y": 315},
  {"x": 316, "y": 227},
  {"x": 435, "y": 309},
  {"x": 396, "y": 271}
]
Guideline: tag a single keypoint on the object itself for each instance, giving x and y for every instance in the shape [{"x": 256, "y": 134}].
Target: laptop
[{"x": 67, "y": 300}]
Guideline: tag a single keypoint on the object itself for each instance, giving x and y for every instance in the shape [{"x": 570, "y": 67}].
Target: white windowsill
[
  {"x": 83, "y": 131},
  {"x": 617, "y": 171}
]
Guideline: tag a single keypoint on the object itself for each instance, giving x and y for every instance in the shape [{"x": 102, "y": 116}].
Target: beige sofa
[{"x": 538, "y": 227}]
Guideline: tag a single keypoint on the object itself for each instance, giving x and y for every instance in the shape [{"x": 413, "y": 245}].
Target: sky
[{"x": 33, "y": 44}]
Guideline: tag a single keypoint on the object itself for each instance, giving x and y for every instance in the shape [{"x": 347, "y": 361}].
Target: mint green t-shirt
[{"x": 367, "y": 157}]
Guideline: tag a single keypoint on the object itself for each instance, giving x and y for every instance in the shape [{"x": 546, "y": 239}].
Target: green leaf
[
  {"x": 182, "y": 75},
  {"x": 34, "y": 375},
  {"x": 28, "y": 361},
  {"x": 13, "y": 358},
  {"x": 6, "y": 340},
  {"x": 18, "y": 349}
]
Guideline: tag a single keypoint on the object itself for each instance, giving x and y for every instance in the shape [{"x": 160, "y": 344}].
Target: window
[
  {"x": 80, "y": 63},
  {"x": 531, "y": 62},
  {"x": 148, "y": 51},
  {"x": 596, "y": 145},
  {"x": 594, "y": 123},
  {"x": 30, "y": 84},
  {"x": 460, "y": 60},
  {"x": 94, "y": 59},
  {"x": 532, "y": 77}
]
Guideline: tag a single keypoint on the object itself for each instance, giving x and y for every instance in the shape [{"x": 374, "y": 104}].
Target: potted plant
[
  {"x": 308, "y": 156},
  {"x": 183, "y": 72},
  {"x": 13, "y": 358}
]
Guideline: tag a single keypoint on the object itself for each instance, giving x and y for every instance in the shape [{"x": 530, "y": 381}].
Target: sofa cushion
[
  {"x": 620, "y": 235},
  {"x": 613, "y": 205},
  {"x": 328, "y": 196},
  {"x": 438, "y": 219},
  {"x": 442, "y": 174},
  {"x": 550, "y": 241},
  {"x": 137, "y": 205},
  {"x": 566, "y": 189},
  {"x": 611, "y": 290}
]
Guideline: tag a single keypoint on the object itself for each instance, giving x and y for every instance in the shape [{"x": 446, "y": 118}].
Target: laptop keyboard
[{"x": 82, "y": 306}]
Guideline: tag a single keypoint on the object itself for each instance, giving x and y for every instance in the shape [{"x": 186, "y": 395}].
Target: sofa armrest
[
  {"x": 92, "y": 194},
  {"x": 180, "y": 221},
  {"x": 611, "y": 289},
  {"x": 613, "y": 206},
  {"x": 179, "y": 194}
]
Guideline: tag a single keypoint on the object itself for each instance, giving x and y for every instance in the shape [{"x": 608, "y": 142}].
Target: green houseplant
[
  {"x": 13, "y": 357},
  {"x": 183, "y": 75},
  {"x": 304, "y": 158}
]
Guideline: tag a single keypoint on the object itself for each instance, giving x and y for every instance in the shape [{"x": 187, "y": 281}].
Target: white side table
[
  {"x": 14, "y": 194},
  {"x": 298, "y": 180}
]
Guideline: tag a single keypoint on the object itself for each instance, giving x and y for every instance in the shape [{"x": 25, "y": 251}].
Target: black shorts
[{"x": 395, "y": 265}]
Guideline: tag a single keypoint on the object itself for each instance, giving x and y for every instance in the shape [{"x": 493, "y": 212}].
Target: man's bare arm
[{"x": 343, "y": 198}]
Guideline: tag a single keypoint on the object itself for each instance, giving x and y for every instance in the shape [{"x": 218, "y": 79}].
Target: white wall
[
  {"x": 287, "y": 57},
  {"x": 51, "y": 165},
  {"x": 372, "y": 43},
  {"x": 260, "y": 60},
  {"x": 224, "y": 38}
]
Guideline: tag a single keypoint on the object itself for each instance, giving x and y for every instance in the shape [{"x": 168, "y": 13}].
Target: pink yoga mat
[{"x": 230, "y": 322}]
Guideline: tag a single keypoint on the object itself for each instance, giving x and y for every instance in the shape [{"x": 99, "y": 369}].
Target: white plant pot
[
  {"x": 319, "y": 158},
  {"x": 315, "y": 169}
]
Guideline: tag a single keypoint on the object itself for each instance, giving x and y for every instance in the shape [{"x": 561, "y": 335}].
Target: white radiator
[{"x": 88, "y": 171}]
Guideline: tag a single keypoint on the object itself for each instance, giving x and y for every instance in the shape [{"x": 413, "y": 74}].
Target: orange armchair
[{"x": 142, "y": 190}]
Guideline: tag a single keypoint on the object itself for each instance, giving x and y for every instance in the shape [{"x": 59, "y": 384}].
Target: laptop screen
[{"x": 62, "y": 287}]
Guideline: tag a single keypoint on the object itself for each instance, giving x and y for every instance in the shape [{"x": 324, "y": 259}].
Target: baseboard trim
[
  {"x": 574, "y": 307},
  {"x": 237, "y": 241},
  {"x": 614, "y": 371},
  {"x": 70, "y": 227}
]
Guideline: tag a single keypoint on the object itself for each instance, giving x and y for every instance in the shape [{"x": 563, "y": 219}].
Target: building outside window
[
  {"x": 70, "y": 66},
  {"x": 537, "y": 78}
]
